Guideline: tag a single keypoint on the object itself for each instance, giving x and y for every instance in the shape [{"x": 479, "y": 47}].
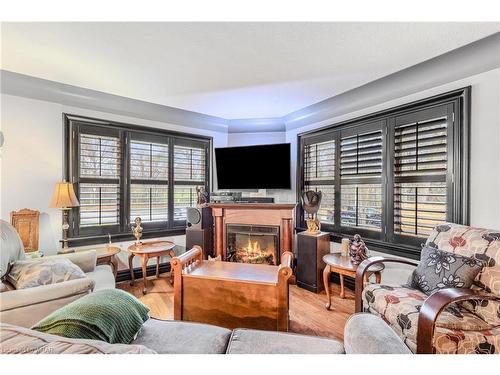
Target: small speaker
[{"x": 199, "y": 218}]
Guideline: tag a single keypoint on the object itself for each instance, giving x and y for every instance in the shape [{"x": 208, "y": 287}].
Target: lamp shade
[{"x": 64, "y": 196}]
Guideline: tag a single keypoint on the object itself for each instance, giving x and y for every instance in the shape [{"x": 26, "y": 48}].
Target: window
[
  {"x": 319, "y": 171},
  {"x": 394, "y": 175},
  {"x": 361, "y": 178},
  {"x": 420, "y": 171},
  {"x": 189, "y": 172},
  {"x": 121, "y": 172}
]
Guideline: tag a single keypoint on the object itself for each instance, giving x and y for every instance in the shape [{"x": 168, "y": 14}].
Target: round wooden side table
[
  {"x": 106, "y": 255},
  {"x": 148, "y": 250},
  {"x": 344, "y": 267}
]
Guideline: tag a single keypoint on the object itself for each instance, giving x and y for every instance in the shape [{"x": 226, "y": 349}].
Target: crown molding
[
  {"x": 474, "y": 58},
  {"x": 41, "y": 89},
  {"x": 256, "y": 125}
]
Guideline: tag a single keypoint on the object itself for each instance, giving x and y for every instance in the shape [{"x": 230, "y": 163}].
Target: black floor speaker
[
  {"x": 200, "y": 237},
  {"x": 199, "y": 217}
]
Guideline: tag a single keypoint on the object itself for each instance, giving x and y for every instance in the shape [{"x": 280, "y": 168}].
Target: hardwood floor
[{"x": 308, "y": 314}]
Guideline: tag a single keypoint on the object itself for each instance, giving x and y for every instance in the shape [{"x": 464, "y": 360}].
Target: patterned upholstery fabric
[
  {"x": 441, "y": 269},
  {"x": 399, "y": 307},
  {"x": 465, "y": 328},
  {"x": 483, "y": 244},
  {"x": 28, "y": 274}
]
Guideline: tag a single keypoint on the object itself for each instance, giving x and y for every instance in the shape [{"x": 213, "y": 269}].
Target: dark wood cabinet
[{"x": 310, "y": 251}]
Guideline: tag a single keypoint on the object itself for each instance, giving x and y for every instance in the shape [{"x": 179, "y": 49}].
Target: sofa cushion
[
  {"x": 449, "y": 341},
  {"x": 173, "y": 337},
  {"x": 103, "y": 277},
  {"x": 5, "y": 286},
  {"x": 18, "y": 340},
  {"x": 400, "y": 306},
  {"x": 441, "y": 269},
  {"x": 29, "y": 273},
  {"x": 368, "y": 334},
  {"x": 483, "y": 244},
  {"x": 249, "y": 341}
]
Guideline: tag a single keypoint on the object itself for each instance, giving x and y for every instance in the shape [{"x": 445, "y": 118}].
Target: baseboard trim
[{"x": 124, "y": 275}]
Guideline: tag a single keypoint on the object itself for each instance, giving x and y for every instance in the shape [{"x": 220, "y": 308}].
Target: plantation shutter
[
  {"x": 98, "y": 181},
  {"x": 319, "y": 175},
  {"x": 190, "y": 171},
  {"x": 421, "y": 145},
  {"x": 149, "y": 179},
  {"x": 361, "y": 169}
]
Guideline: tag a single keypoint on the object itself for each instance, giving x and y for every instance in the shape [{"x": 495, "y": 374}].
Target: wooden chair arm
[
  {"x": 286, "y": 259},
  {"x": 195, "y": 253},
  {"x": 363, "y": 269},
  {"x": 177, "y": 264},
  {"x": 432, "y": 307},
  {"x": 285, "y": 273}
]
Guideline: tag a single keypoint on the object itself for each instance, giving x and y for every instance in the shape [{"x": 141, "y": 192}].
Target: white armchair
[{"x": 25, "y": 307}]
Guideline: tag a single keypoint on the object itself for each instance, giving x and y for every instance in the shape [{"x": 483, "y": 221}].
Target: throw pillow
[
  {"x": 30, "y": 273},
  {"x": 110, "y": 315},
  {"x": 442, "y": 269}
]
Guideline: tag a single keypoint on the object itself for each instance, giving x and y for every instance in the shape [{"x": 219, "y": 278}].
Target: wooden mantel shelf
[{"x": 254, "y": 206}]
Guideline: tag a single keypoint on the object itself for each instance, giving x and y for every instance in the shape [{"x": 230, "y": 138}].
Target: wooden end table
[
  {"x": 106, "y": 255},
  {"x": 148, "y": 250},
  {"x": 344, "y": 267}
]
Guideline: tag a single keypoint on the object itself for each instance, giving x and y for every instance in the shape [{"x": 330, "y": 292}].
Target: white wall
[
  {"x": 485, "y": 141},
  {"x": 32, "y": 156},
  {"x": 248, "y": 139}
]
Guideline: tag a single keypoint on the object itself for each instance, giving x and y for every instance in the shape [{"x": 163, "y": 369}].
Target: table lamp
[{"x": 64, "y": 198}]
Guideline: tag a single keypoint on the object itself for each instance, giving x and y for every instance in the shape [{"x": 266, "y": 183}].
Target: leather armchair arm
[
  {"x": 432, "y": 307},
  {"x": 363, "y": 269}
]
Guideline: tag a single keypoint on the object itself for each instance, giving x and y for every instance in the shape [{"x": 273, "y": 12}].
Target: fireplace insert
[{"x": 258, "y": 244}]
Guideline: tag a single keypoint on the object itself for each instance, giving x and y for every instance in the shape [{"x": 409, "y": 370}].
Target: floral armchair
[{"x": 452, "y": 320}]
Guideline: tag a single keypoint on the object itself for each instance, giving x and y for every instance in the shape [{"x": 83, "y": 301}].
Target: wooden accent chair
[
  {"x": 453, "y": 320},
  {"x": 26, "y": 222}
]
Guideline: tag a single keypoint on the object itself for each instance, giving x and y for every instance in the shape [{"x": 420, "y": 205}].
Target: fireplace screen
[{"x": 253, "y": 244}]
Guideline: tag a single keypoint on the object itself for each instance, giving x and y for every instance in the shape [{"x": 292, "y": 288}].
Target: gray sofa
[
  {"x": 364, "y": 334},
  {"x": 25, "y": 307}
]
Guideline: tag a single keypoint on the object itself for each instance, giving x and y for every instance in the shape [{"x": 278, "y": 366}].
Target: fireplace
[
  {"x": 258, "y": 244},
  {"x": 263, "y": 215}
]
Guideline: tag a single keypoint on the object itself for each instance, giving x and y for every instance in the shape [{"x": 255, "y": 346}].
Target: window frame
[
  {"x": 73, "y": 124},
  {"x": 457, "y": 177}
]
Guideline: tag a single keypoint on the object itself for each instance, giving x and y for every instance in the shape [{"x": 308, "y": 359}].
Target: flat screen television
[{"x": 253, "y": 167}]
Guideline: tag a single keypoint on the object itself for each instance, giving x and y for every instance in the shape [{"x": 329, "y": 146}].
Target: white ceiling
[{"x": 231, "y": 70}]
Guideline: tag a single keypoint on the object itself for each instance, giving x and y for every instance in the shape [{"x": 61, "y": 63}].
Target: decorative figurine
[
  {"x": 310, "y": 203},
  {"x": 344, "y": 247},
  {"x": 137, "y": 230},
  {"x": 202, "y": 196},
  {"x": 358, "y": 251}
]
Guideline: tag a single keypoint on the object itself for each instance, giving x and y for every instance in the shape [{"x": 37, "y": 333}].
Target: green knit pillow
[{"x": 110, "y": 315}]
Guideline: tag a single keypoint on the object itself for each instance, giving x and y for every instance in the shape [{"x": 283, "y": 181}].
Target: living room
[{"x": 250, "y": 187}]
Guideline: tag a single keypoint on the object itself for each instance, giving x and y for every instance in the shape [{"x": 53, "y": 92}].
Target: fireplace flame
[{"x": 253, "y": 247}]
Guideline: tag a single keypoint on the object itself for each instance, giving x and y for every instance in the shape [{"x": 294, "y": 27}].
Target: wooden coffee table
[
  {"x": 148, "y": 250},
  {"x": 344, "y": 267}
]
